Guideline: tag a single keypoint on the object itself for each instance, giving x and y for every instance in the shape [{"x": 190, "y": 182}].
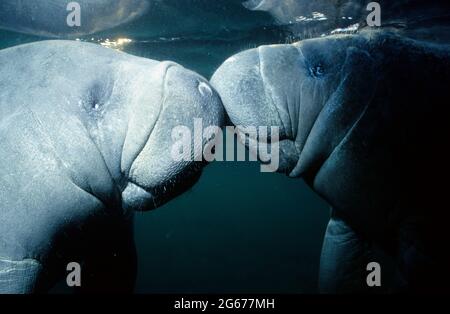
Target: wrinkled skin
[
  {"x": 86, "y": 140},
  {"x": 361, "y": 119}
]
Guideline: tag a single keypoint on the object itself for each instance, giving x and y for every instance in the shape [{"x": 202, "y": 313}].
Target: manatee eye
[
  {"x": 97, "y": 97},
  {"x": 95, "y": 105},
  {"x": 317, "y": 70},
  {"x": 94, "y": 98}
]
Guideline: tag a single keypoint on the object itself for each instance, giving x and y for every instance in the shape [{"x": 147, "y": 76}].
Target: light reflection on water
[{"x": 116, "y": 44}]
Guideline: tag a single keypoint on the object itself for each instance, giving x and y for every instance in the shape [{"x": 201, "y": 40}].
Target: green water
[{"x": 237, "y": 229}]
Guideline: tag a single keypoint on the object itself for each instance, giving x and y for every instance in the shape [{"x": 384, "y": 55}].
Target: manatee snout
[
  {"x": 283, "y": 86},
  {"x": 246, "y": 85},
  {"x": 155, "y": 176}
]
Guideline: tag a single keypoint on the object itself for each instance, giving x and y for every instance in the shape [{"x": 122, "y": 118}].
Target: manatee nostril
[
  {"x": 204, "y": 89},
  {"x": 317, "y": 70}
]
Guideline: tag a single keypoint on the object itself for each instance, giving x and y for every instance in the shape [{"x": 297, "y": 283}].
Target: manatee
[
  {"x": 85, "y": 135},
  {"x": 49, "y": 17},
  {"x": 364, "y": 121}
]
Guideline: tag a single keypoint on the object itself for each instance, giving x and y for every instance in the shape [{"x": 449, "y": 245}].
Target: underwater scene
[{"x": 336, "y": 94}]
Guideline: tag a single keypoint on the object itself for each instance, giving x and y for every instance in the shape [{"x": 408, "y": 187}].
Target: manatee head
[
  {"x": 172, "y": 97},
  {"x": 296, "y": 88}
]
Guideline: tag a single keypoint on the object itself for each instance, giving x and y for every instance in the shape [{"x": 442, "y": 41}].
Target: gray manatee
[
  {"x": 85, "y": 136},
  {"x": 364, "y": 120},
  {"x": 49, "y": 17}
]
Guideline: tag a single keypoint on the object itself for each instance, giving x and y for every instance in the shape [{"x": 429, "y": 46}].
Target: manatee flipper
[
  {"x": 19, "y": 277},
  {"x": 343, "y": 260}
]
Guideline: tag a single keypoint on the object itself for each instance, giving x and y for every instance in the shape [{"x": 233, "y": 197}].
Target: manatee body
[
  {"x": 85, "y": 136},
  {"x": 49, "y": 17},
  {"x": 362, "y": 119}
]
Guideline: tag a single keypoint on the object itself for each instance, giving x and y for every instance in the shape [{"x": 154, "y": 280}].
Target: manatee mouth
[
  {"x": 254, "y": 94},
  {"x": 282, "y": 150},
  {"x": 135, "y": 197}
]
